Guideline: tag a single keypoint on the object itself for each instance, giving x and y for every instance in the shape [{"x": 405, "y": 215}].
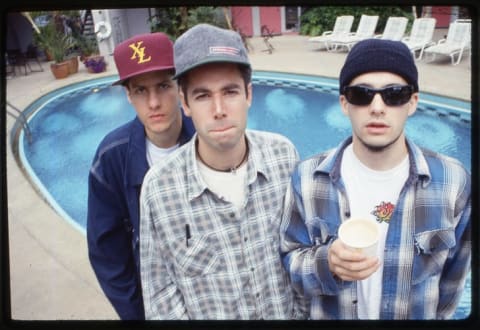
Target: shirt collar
[
  {"x": 418, "y": 164},
  {"x": 136, "y": 162},
  {"x": 255, "y": 166}
]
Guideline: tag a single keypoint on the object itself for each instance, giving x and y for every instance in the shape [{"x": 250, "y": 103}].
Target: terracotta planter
[
  {"x": 59, "y": 70},
  {"x": 72, "y": 65}
]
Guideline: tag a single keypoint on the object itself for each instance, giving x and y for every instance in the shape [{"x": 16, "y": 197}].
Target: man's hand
[{"x": 350, "y": 265}]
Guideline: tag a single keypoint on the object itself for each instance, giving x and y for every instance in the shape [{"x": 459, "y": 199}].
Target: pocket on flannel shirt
[
  {"x": 431, "y": 251},
  {"x": 201, "y": 257}
]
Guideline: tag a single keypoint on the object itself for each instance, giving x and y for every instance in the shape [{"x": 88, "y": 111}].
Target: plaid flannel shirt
[
  {"x": 228, "y": 265},
  {"x": 428, "y": 245}
]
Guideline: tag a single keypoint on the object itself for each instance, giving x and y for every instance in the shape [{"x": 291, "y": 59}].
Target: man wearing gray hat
[
  {"x": 210, "y": 214},
  {"x": 419, "y": 200}
]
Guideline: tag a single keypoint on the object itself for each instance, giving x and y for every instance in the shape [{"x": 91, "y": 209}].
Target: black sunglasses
[{"x": 391, "y": 95}]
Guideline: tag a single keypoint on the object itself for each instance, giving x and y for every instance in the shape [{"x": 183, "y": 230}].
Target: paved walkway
[{"x": 50, "y": 275}]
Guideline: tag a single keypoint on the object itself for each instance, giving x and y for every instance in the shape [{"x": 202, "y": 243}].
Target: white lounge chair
[
  {"x": 456, "y": 43},
  {"x": 394, "y": 29},
  {"x": 421, "y": 35},
  {"x": 342, "y": 27},
  {"x": 366, "y": 29}
]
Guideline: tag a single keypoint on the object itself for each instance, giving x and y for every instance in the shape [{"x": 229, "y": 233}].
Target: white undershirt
[
  {"x": 155, "y": 154},
  {"x": 370, "y": 192},
  {"x": 229, "y": 186}
]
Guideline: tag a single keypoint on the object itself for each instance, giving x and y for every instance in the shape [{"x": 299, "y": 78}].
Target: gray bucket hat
[{"x": 206, "y": 43}]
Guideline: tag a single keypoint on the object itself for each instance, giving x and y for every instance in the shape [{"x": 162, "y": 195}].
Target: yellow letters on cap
[{"x": 140, "y": 52}]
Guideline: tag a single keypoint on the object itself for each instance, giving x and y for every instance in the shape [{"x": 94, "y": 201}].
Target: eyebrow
[
  {"x": 199, "y": 90},
  {"x": 383, "y": 86},
  {"x": 136, "y": 85}
]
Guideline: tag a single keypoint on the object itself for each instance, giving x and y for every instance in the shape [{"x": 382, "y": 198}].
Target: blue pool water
[{"x": 68, "y": 124}]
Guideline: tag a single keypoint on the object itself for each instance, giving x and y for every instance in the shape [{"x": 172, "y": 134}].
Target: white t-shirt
[
  {"x": 155, "y": 154},
  {"x": 373, "y": 195},
  {"x": 230, "y": 186}
]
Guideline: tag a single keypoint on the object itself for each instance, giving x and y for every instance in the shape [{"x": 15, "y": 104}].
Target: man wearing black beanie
[{"x": 419, "y": 202}]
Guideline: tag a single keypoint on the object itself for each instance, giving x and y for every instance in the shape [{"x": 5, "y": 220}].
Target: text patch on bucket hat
[
  {"x": 205, "y": 43},
  {"x": 143, "y": 53}
]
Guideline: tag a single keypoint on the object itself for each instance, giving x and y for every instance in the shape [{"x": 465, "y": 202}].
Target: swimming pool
[{"x": 68, "y": 124}]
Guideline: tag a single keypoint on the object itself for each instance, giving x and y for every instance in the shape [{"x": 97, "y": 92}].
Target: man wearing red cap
[{"x": 145, "y": 66}]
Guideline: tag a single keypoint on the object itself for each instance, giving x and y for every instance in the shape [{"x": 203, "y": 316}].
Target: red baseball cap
[{"x": 143, "y": 53}]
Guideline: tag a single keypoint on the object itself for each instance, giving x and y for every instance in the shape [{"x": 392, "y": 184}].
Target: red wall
[
  {"x": 270, "y": 16},
  {"x": 242, "y": 20},
  {"x": 442, "y": 14}
]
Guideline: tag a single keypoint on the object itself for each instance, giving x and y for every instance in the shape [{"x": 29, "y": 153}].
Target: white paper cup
[{"x": 361, "y": 235}]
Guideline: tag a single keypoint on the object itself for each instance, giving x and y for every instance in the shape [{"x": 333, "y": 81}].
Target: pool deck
[{"x": 50, "y": 275}]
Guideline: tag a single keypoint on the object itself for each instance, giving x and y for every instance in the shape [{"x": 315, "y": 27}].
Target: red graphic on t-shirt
[{"x": 383, "y": 212}]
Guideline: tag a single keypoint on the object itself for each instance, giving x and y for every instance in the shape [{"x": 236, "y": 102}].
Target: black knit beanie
[{"x": 379, "y": 55}]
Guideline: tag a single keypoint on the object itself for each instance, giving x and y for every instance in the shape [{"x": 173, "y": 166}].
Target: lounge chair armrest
[
  {"x": 326, "y": 33},
  {"x": 441, "y": 41}
]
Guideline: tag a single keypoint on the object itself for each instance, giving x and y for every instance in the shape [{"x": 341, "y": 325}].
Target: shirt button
[
  {"x": 245, "y": 239},
  {"x": 347, "y": 214},
  {"x": 232, "y": 215},
  {"x": 252, "y": 269}
]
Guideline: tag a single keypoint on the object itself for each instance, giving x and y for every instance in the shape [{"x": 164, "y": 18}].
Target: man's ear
[
  {"x": 343, "y": 104},
  {"x": 186, "y": 108},
  {"x": 249, "y": 96},
  {"x": 412, "y": 104},
  {"x": 127, "y": 91}
]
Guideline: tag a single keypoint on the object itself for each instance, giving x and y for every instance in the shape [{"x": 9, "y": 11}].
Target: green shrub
[{"x": 173, "y": 21}]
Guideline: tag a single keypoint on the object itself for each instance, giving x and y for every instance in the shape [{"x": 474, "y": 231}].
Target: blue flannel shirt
[
  {"x": 428, "y": 245},
  {"x": 114, "y": 185}
]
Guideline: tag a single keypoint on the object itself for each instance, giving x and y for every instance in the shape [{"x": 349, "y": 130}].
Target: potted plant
[
  {"x": 89, "y": 54},
  {"x": 57, "y": 45},
  {"x": 87, "y": 46},
  {"x": 42, "y": 39},
  {"x": 95, "y": 64},
  {"x": 61, "y": 68},
  {"x": 72, "y": 60}
]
